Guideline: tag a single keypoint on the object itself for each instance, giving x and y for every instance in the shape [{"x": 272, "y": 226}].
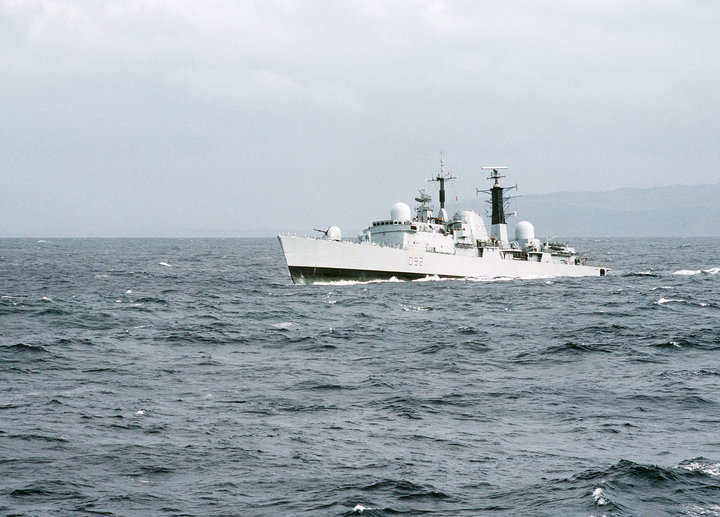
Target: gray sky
[{"x": 227, "y": 118}]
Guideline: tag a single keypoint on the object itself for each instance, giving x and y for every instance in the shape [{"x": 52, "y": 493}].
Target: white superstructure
[{"x": 407, "y": 248}]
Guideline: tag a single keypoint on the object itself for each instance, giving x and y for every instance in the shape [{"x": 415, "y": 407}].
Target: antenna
[
  {"x": 495, "y": 175},
  {"x": 442, "y": 177}
]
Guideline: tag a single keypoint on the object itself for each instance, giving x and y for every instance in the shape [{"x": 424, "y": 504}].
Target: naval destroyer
[{"x": 431, "y": 245}]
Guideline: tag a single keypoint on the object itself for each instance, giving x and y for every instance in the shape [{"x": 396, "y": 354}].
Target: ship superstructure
[{"x": 408, "y": 247}]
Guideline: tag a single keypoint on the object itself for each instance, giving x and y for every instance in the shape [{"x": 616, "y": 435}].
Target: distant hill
[{"x": 676, "y": 211}]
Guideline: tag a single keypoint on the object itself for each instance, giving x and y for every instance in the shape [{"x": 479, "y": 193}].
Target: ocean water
[{"x": 191, "y": 378}]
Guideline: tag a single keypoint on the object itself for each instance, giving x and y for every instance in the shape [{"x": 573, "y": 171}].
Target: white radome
[
  {"x": 524, "y": 231},
  {"x": 400, "y": 212}
]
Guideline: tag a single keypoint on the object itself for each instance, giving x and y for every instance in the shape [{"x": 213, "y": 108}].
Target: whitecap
[
  {"x": 283, "y": 325},
  {"x": 428, "y": 278},
  {"x": 712, "y": 271},
  {"x": 128, "y": 291},
  {"x": 411, "y": 308},
  {"x": 687, "y": 272},
  {"x": 341, "y": 282},
  {"x": 489, "y": 279},
  {"x": 46, "y": 299},
  {"x": 356, "y": 282},
  {"x": 668, "y": 300},
  {"x": 165, "y": 264},
  {"x": 698, "y": 511},
  {"x": 711, "y": 469},
  {"x": 599, "y": 499}
]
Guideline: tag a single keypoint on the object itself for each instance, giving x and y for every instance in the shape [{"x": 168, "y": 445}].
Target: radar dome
[
  {"x": 334, "y": 233},
  {"x": 400, "y": 212},
  {"x": 524, "y": 231}
]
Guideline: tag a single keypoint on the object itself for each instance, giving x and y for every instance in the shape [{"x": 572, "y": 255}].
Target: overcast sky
[{"x": 245, "y": 118}]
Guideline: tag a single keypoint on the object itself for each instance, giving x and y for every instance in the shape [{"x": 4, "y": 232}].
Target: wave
[
  {"x": 408, "y": 308},
  {"x": 642, "y": 273},
  {"x": 630, "y": 488},
  {"x": 701, "y": 339},
  {"x": 693, "y": 272},
  {"x": 430, "y": 278},
  {"x": 579, "y": 348},
  {"x": 22, "y": 348},
  {"x": 23, "y": 355},
  {"x": 44, "y": 490},
  {"x": 568, "y": 351},
  {"x": 362, "y": 509},
  {"x": 393, "y": 280},
  {"x": 663, "y": 301},
  {"x": 406, "y": 490},
  {"x": 151, "y": 299},
  {"x": 701, "y": 465},
  {"x": 495, "y": 279}
]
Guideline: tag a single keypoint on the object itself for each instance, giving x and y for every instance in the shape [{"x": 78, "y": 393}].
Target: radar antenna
[{"x": 424, "y": 197}]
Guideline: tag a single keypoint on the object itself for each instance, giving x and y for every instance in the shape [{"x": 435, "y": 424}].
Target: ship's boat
[{"x": 407, "y": 247}]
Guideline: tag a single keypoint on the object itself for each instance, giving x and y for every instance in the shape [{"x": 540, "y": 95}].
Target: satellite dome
[
  {"x": 400, "y": 212},
  {"x": 524, "y": 231}
]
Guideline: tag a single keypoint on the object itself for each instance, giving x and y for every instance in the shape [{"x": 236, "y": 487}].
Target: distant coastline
[{"x": 674, "y": 211}]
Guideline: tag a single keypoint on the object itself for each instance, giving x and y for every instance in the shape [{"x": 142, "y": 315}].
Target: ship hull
[{"x": 312, "y": 260}]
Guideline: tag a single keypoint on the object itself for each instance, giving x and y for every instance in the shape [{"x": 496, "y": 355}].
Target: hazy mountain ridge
[{"x": 675, "y": 211}]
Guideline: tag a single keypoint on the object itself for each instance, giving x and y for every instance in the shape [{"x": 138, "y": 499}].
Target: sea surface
[{"x": 190, "y": 377}]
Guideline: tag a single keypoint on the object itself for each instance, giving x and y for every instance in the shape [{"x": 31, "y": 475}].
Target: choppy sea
[{"x": 190, "y": 377}]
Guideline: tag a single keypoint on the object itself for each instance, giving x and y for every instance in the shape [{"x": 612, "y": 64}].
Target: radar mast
[
  {"x": 442, "y": 177},
  {"x": 497, "y": 220}
]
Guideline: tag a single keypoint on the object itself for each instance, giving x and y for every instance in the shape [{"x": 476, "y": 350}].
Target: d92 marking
[{"x": 415, "y": 261}]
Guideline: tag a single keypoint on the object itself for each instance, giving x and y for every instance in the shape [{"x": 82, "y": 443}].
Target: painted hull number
[{"x": 415, "y": 261}]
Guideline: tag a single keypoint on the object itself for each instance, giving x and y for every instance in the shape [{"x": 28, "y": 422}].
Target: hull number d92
[{"x": 415, "y": 261}]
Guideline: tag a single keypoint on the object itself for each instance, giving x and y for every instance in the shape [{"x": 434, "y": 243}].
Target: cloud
[{"x": 350, "y": 95}]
